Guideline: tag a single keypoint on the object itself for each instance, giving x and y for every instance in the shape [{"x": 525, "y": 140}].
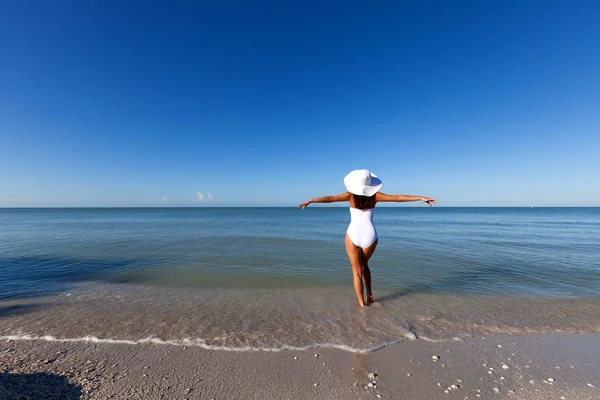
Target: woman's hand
[
  {"x": 304, "y": 205},
  {"x": 429, "y": 201}
]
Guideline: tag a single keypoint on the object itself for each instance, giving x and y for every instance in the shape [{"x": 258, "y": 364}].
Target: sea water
[{"x": 278, "y": 278}]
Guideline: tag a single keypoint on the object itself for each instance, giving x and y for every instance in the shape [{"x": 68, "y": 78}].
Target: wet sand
[{"x": 536, "y": 366}]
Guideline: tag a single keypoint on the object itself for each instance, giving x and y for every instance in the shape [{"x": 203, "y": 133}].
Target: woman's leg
[
  {"x": 366, "y": 255},
  {"x": 356, "y": 260}
]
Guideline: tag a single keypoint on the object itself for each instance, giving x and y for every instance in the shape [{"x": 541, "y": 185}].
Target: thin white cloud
[
  {"x": 208, "y": 198},
  {"x": 164, "y": 199}
]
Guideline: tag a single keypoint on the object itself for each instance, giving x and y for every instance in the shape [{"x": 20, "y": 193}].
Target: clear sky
[{"x": 142, "y": 103}]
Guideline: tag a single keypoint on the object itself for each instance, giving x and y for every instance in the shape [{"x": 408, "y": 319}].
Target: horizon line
[{"x": 186, "y": 207}]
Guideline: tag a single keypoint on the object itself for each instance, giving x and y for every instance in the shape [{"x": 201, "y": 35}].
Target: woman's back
[
  {"x": 361, "y": 240},
  {"x": 361, "y": 229}
]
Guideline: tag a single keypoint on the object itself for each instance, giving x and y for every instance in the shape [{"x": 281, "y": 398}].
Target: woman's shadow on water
[
  {"x": 404, "y": 292},
  {"x": 456, "y": 282},
  {"x": 37, "y": 386}
]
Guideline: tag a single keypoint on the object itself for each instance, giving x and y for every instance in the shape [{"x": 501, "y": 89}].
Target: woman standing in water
[{"x": 361, "y": 236}]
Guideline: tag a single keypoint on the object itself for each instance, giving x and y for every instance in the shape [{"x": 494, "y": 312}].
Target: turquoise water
[{"x": 440, "y": 272}]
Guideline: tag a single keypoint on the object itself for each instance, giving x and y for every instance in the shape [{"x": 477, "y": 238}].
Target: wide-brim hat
[{"x": 362, "y": 182}]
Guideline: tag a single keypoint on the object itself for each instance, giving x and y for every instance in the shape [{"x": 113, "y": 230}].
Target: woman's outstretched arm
[
  {"x": 326, "y": 199},
  {"x": 401, "y": 198}
]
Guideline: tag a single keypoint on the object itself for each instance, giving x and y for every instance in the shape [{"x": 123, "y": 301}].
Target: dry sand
[{"x": 41, "y": 369}]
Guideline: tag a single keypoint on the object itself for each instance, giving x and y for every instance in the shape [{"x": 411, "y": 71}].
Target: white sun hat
[{"x": 362, "y": 182}]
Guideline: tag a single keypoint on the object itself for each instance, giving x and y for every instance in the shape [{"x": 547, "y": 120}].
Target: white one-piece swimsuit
[{"x": 361, "y": 229}]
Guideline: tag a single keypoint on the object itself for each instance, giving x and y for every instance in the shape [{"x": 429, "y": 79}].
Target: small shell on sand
[
  {"x": 496, "y": 390},
  {"x": 371, "y": 375},
  {"x": 316, "y": 384},
  {"x": 504, "y": 366},
  {"x": 370, "y": 385},
  {"x": 550, "y": 379},
  {"x": 410, "y": 335},
  {"x": 408, "y": 374},
  {"x": 295, "y": 358},
  {"x": 590, "y": 385},
  {"x": 435, "y": 358}
]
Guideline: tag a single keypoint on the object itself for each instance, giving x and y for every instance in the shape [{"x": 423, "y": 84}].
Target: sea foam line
[{"x": 200, "y": 343}]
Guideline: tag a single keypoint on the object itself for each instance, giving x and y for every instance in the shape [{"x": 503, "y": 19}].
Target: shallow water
[{"x": 270, "y": 278}]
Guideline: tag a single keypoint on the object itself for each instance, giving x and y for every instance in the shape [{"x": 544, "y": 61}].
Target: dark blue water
[{"x": 465, "y": 254}]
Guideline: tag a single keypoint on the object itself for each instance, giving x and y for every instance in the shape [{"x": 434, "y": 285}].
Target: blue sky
[{"x": 489, "y": 103}]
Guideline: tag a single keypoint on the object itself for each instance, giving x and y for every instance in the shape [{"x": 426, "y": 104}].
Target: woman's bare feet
[{"x": 370, "y": 299}]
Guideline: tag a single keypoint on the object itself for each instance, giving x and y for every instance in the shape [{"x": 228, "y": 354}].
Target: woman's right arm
[
  {"x": 401, "y": 198},
  {"x": 326, "y": 199}
]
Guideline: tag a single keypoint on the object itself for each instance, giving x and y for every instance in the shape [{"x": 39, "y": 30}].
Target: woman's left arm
[
  {"x": 326, "y": 199},
  {"x": 401, "y": 198}
]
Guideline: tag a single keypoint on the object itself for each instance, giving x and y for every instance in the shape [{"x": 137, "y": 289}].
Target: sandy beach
[{"x": 524, "y": 366}]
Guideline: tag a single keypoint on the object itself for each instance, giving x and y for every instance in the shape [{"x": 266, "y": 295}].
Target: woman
[{"x": 361, "y": 237}]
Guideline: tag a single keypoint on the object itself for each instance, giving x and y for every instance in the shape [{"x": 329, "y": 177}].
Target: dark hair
[{"x": 362, "y": 202}]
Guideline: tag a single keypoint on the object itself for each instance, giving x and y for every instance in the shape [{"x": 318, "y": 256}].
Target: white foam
[
  {"x": 198, "y": 343},
  {"x": 454, "y": 339}
]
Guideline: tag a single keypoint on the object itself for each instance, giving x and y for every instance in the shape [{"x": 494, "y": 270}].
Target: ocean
[{"x": 278, "y": 278}]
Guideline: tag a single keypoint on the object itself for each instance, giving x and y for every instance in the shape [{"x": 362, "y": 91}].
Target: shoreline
[
  {"x": 537, "y": 366},
  {"x": 204, "y": 346}
]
